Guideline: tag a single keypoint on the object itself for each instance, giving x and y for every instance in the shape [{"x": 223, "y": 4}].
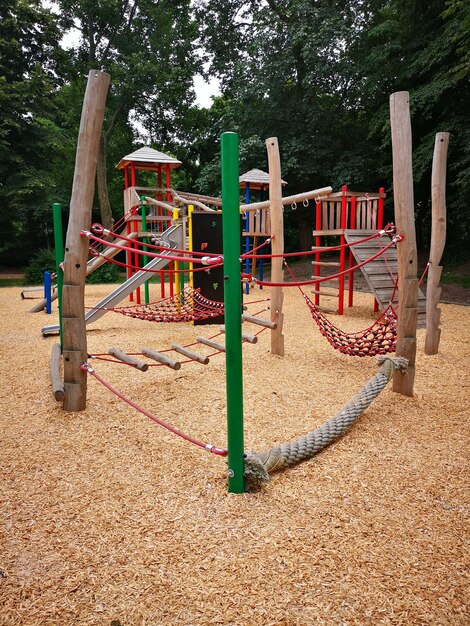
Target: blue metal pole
[
  {"x": 48, "y": 291},
  {"x": 247, "y": 238}
]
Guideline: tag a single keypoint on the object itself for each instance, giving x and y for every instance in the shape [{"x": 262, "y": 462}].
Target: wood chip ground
[{"x": 106, "y": 519}]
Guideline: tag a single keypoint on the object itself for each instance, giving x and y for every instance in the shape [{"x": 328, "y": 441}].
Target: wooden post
[
  {"x": 438, "y": 240},
  {"x": 76, "y": 247},
  {"x": 277, "y": 245},
  {"x": 400, "y": 122}
]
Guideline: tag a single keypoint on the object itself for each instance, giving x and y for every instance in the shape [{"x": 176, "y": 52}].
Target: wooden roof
[
  {"x": 148, "y": 159},
  {"x": 256, "y": 178}
]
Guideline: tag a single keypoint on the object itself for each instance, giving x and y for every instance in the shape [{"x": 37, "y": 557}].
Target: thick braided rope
[{"x": 259, "y": 465}]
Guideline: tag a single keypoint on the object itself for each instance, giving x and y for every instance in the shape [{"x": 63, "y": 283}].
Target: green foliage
[
  {"x": 42, "y": 261},
  {"x": 107, "y": 273}
]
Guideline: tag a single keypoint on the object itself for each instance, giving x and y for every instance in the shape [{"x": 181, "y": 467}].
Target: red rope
[
  {"x": 99, "y": 229},
  {"x": 137, "y": 268},
  {"x": 388, "y": 230},
  {"x": 110, "y": 244},
  {"x": 424, "y": 273},
  {"x": 207, "y": 446},
  {"x": 321, "y": 279}
]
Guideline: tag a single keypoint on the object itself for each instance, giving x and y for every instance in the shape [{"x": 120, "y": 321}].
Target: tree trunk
[{"x": 102, "y": 186}]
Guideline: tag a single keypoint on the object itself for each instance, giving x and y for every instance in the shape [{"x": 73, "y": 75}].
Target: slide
[{"x": 173, "y": 237}]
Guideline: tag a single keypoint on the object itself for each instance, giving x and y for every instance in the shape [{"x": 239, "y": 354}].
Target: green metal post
[
  {"x": 59, "y": 257},
  {"x": 144, "y": 248},
  {"x": 233, "y": 308}
]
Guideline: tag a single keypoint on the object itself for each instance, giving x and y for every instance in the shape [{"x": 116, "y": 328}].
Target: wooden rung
[
  {"x": 259, "y": 322},
  {"x": 324, "y": 233},
  {"x": 125, "y": 358},
  {"x": 326, "y": 263},
  {"x": 190, "y": 354},
  {"x": 325, "y": 310},
  {"x": 321, "y": 292},
  {"x": 212, "y": 344},
  {"x": 56, "y": 378},
  {"x": 247, "y": 338},
  {"x": 161, "y": 358}
]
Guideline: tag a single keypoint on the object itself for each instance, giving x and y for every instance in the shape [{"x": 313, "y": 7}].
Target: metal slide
[{"x": 173, "y": 237}]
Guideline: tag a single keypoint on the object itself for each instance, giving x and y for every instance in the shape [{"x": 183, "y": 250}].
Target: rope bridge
[{"x": 258, "y": 466}]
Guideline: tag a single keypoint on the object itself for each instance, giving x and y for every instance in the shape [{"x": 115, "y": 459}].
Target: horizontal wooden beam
[
  {"x": 130, "y": 360},
  {"x": 161, "y": 358}
]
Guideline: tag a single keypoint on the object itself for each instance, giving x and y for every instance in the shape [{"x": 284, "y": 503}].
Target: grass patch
[
  {"x": 456, "y": 279},
  {"x": 12, "y": 282}
]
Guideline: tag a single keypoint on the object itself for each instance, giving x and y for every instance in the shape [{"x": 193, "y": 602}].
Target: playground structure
[{"x": 75, "y": 351}]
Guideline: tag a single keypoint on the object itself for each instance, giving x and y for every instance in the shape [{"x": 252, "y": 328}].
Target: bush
[
  {"x": 107, "y": 273},
  {"x": 42, "y": 261}
]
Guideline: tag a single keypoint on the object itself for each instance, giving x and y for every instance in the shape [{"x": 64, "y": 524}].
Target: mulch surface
[{"x": 107, "y": 519}]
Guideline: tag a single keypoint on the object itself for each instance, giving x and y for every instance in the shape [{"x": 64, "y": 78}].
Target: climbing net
[{"x": 187, "y": 306}]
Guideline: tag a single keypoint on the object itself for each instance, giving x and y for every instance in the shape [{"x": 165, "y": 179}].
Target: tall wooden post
[
  {"x": 277, "y": 245},
  {"x": 400, "y": 122},
  {"x": 438, "y": 240},
  {"x": 76, "y": 247}
]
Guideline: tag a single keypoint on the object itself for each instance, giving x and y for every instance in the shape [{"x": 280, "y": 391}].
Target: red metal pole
[
  {"x": 352, "y": 226},
  {"x": 168, "y": 223},
  {"x": 380, "y": 213},
  {"x": 316, "y": 286},
  {"x": 135, "y": 261},
  {"x": 342, "y": 254},
  {"x": 159, "y": 227}
]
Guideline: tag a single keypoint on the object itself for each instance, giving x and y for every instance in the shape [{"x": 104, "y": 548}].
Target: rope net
[
  {"x": 187, "y": 306},
  {"x": 379, "y": 338}
]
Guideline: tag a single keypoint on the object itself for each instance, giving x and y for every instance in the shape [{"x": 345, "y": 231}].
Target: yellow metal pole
[{"x": 190, "y": 237}]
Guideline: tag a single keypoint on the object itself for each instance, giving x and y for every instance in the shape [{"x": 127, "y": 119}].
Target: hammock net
[
  {"x": 187, "y": 306},
  {"x": 379, "y": 338}
]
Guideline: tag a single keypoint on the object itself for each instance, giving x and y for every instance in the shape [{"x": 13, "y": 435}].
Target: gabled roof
[
  {"x": 148, "y": 159},
  {"x": 256, "y": 178}
]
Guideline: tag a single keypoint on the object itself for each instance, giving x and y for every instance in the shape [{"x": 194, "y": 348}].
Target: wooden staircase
[{"x": 377, "y": 272}]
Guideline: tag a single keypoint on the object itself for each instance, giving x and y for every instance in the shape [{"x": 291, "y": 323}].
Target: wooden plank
[
  {"x": 194, "y": 356},
  {"x": 76, "y": 247},
  {"x": 438, "y": 239},
  {"x": 56, "y": 378},
  {"x": 322, "y": 292},
  {"x": 277, "y": 245},
  {"x": 400, "y": 123},
  {"x": 212, "y": 344},
  {"x": 130, "y": 360},
  {"x": 326, "y": 263},
  {"x": 260, "y": 322},
  {"x": 328, "y": 231},
  {"x": 161, "y": 358},
  {"x": 245, "y": 337}
]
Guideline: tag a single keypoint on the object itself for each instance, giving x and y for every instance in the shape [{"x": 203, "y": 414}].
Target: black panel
[{"x": 207, "y": 237}]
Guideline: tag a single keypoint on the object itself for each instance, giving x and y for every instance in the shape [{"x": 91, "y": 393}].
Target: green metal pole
[
  {"x": 144, "y": 248},
  {"x": 233, "y": 308},
  {"x": 59, "y": 257}
]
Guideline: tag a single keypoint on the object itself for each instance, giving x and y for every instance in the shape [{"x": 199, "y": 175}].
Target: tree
[
  {"x": 148, "y": 47},
  {"x": 29, "y": 76},
  {"x": 419, "y": 47}
]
